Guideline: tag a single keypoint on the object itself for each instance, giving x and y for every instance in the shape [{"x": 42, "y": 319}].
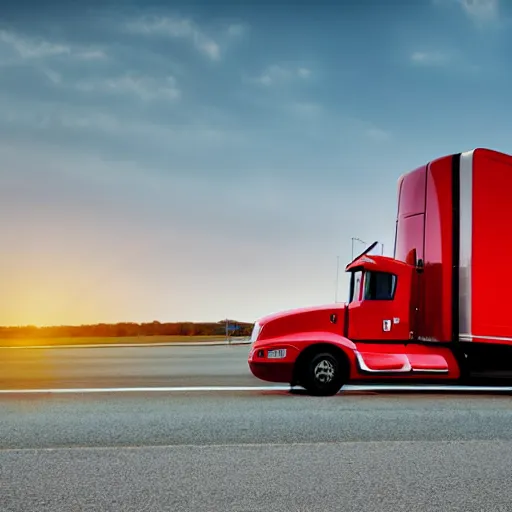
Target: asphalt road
[
  {"x": 125, "y": 367},
  {"x": 244, "y": 451}
]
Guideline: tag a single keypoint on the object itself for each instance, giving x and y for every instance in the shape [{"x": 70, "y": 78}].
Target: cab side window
[
  {"x": 379, "y": 286},
  {"x": 355, "y": 286}
]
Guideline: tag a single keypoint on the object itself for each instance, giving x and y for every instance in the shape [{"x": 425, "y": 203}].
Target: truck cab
[
  {"x": 430, "y": 313},
  {"x": 370, "y": 337},
  {"x": 381, "y": 305}
]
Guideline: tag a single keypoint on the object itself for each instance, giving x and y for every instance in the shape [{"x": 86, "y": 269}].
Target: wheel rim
[{"x": 324, "y": 371}]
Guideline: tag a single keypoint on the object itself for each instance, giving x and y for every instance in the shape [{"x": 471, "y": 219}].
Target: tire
[{"x": 324, "y": 374}]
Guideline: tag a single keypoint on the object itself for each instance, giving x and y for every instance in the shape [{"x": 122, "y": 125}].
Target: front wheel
[{"x": 324, "y": 375}]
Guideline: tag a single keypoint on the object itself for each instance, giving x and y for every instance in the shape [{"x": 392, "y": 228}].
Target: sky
[{"x": 209, "y": 159}]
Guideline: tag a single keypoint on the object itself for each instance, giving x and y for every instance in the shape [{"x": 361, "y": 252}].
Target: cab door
[{"x": 374, "y": 315}]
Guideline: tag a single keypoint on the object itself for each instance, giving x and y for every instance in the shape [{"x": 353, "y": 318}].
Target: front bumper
[
  {"x": 272, "y": 372},
  {"x": 272, "y": 369}
]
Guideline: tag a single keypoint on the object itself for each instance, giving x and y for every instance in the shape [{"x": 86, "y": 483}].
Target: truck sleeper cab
[{"x": 435, "y": 312}]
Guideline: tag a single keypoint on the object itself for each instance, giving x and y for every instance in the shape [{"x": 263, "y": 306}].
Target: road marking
[
  {"x": 433, "y": 387},
  {"x": 212, "y": 446},
  {"x": 151, "y": 389},
  {"x": 133, "y": 345},
  {"x": 215, "y": 389}
]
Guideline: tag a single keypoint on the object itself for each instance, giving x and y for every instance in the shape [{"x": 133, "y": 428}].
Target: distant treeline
[{"x": 130, "y": 329}]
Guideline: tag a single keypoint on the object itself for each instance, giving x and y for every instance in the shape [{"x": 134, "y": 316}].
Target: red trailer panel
[
  {"x": 436, "y": 282},
  {"x": 485, "y": 229}
]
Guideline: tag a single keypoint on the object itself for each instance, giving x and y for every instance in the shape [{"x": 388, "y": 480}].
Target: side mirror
[{"x": 412, "y": 258}]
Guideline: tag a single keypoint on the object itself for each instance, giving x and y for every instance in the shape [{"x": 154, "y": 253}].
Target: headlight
[{"x": 255, "y": 332}]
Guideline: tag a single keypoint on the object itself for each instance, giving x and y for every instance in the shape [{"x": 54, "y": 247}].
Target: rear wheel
[{"x": 323, "y": 374}]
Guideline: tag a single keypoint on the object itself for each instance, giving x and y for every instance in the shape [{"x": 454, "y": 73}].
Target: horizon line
[{"x": 56, "y": 326}]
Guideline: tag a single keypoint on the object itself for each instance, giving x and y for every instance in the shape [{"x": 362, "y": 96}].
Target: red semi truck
[{"x": 437, "y": 312}]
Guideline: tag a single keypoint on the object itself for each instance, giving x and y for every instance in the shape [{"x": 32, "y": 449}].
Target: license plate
[{"x": 276, "y": 354}]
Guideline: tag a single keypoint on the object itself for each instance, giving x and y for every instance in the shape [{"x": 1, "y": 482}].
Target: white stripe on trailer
[{"x": 465, "y": 241}]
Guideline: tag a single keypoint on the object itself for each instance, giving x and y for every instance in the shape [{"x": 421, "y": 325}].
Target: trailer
[{"x": 438, "y": 311}]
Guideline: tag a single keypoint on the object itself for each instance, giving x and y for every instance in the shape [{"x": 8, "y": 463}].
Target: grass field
[{"x": 32, "y": 342}]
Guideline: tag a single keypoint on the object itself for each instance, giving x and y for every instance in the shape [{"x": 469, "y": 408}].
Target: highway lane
[
  {"x": 143, "y": 419},
  {"x": 125, "y": 367},
  {"x": 241, "y": 451},
  {"x": 255, "y": 451}
]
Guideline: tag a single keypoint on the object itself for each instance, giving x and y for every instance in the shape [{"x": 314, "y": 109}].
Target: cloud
[
  {"x": 92, "y": 54},
  {"x": 365, "y": 128},
  {"x": 377, "y": 134},
  {"x": 430, "y": 58},
  {"x": 105, "y": 130},
  {"x": 277, "y": 74},
  {"x": 481, "y": 10},
  {"x": 145, "y": 88},
  {"x": 450, "y": 60},
  {"x": 304, "y": 72},
  {"x": 306, "y": 109},
  {"x": 237, "y": 29},
  {"x": 31, "y": 49},
  {"x": 477, "y": 10},
  {"x": 177, "y": 28},
  {"x": 34, "y": 49},
  {"x": 54, "y": 77}
]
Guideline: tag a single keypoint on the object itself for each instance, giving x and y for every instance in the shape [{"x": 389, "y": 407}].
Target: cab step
[{"x": 378, "y": 362}]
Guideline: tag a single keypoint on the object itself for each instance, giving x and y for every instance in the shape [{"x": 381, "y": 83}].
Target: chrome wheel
[{"x": 324, "y": 371}]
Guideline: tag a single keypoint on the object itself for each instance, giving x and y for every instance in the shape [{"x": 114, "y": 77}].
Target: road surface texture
[
  {"x": 125, "y": 366},
  {"x": 249, "y": 451}
]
